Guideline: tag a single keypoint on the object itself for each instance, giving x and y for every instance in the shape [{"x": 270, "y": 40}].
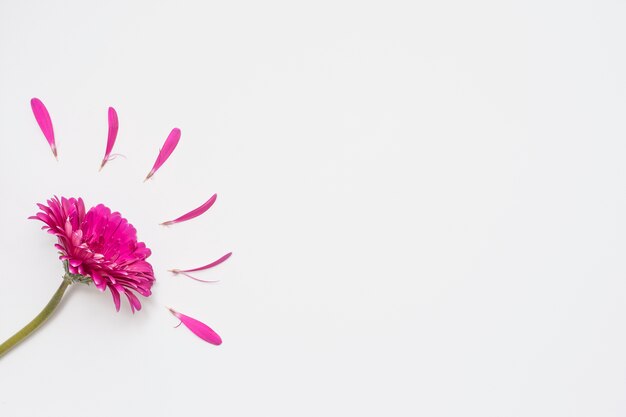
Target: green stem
[{"x": 37, "y": 321}]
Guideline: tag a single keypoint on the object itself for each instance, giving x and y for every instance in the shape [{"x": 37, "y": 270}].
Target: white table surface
[{"x": 426, "y": 202}]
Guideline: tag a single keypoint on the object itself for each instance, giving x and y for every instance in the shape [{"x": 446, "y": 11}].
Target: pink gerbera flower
[{"x": 99, "y": 246}]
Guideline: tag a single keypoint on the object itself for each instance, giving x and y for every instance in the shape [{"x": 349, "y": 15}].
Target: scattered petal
[
  {"x": 198, "y": 328},
  {"x": 45, "y": 123},
  {"x": 113, "y": 127},
  {"x": 185, "y": 272},
  {"x": 166, "y": 151},
  {"x": 193, "y": 213}
]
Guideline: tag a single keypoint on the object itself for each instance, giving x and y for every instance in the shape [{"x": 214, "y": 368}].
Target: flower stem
[{"x": 37, "y": 321}]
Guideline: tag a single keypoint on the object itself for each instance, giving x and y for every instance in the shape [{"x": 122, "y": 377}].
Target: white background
[{"x": 426, "y": 202}]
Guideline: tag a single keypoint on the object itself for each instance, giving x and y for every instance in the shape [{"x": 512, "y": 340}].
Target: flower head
[{"x": 101, "y": 245}]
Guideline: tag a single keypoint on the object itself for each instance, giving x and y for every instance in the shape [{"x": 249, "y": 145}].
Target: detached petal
[
  {"x": 202, "y": 268},
  {"x": 198, "y": 328},
  {"x": 113, "y": 127},
  {"x": 45, "y": 123},
  {"x": 166, "y": 151},
  {"x": 193, "y": 213}
]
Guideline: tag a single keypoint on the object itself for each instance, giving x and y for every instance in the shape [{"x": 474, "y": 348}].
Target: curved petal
[
  {"x": 45, "y": 123},
  {"x": 198, "y": 328},
  {"x": 113, "y": 127},
  {"x": 193, "y": 213},
  {"x": 166, "y": 151}
]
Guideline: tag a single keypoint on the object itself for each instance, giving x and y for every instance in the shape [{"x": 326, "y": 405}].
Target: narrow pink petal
[
  {"x": 113, "y": 127},
  {"x": 116, "y": 297},
  {"x": 202, "y": 268},
  {"x": 165, "y": 151},
  {"x": 45, "y": 123},
  {"x": 193, "y": 213},
  {"x": 200, "y": 329},
  {"x": 135, "y": 304},
  {"x": 99, "y": 281}
]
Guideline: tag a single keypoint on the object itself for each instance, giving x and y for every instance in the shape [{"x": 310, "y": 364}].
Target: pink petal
[
  {"x": 166, "y": 151},
  {"x": 113, "y": 127},
  {"x": 200, "y": 329},
  {"x": 193, "y": 213},
  {"x": 202, "y": 268},
  {"x": 116, "y": 297},
  {"x": 45, "y": 123},
  {"x": 135, "y": 305},
  {"x": 99, "y": 281}
]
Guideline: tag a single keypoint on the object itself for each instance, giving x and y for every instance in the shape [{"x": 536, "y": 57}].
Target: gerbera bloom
[{"x": 99, "y": 245}]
